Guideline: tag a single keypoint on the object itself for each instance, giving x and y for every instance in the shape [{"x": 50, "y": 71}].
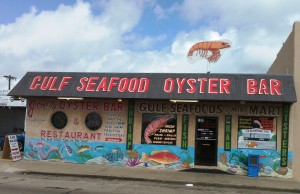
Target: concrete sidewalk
[{"x": 208, "y": 177}]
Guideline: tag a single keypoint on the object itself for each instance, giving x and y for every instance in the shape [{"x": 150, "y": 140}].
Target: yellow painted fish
[
  {"x": 132, "y": 154},
  {"x": 83, "y": 148}
]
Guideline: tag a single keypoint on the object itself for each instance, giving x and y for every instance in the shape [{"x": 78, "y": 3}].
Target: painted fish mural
[
  {"x": 68, "y": 149},
  {"x": 163, "y": 157},
  {"x": 83, "y": 148}
]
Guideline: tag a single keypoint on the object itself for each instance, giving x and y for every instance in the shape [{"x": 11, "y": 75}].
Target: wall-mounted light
[
  {"x": 184, "y": 101},
  {"x": 69, "y": 98},
  {"x": 119, "y": 100}
]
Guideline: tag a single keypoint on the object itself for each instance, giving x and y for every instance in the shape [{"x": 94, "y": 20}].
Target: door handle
[{"x": 206, "y": 144}]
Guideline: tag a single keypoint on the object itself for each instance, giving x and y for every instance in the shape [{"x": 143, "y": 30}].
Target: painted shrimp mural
[
  {"x": 209, "y": 50},
  {"x": 156, "y": 125}
]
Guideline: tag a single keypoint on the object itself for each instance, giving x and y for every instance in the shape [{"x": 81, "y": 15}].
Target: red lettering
[
  {"x": 212, "y": 85},
  {"x": 60, "y": 134},
  {"x": 69, "y": 103},
  {"x": 91, "y": 84},
  {"x": 169, "y": 85},
  {"x": 93, "y": 136},
  {"x": 275, "y": 86},
  {"x": 113, "y": 107},
  {"x": 112, "y": 83},
  {"x": 123, "y": 85},
  {"x": 120, "y": 106},
  {"x": 102, "y": 85},
  {"x": 133, "y": 85},
  {"x": 180, "y": 84},
  {"x": 62, "y": 104},
  {"x": 64, "y": 82},
  {"x": 52, "y": 87},
  {"x": 202, "y": 84},
  {"x": 224, "y": 86},
  {"x": 46, "y": 83},
  {"x": 99, "y": 135},
  {"x": 89, "y": 106},
  {"x": 43, "y": 133},
  {"x": 106, "y": 106},
  {"x": 251, "y": 86},
  {"x": 35, "y": 85},
  {"x": 263, "y": 87},
  {"x": 49, "y": 134},
  {"x": 55, "y": 134},
  {"x": 82, "y": 81},
  {"x": 144, "y": 85},
  {"x": 192, "y": 88},
  {"x": 95, "y": 106},
  {"x": 79, "y": 134},
  {"x": 73, "y": 135}
]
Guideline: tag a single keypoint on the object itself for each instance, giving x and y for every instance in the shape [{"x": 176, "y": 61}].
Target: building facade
[{"x": 162, "y": 121}]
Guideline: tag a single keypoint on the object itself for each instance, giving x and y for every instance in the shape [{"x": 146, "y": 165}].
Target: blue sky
[{"x": 140, "y": 35}]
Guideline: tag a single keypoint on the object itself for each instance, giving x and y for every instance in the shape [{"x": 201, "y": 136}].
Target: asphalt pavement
[{"x": 196, "y": 176}]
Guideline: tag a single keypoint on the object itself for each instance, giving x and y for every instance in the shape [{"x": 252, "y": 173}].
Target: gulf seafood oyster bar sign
[{"x": 277, "y": 88}]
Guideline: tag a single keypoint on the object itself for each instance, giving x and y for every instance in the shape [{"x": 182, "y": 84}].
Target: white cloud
[
  {"x": 261, "y": 28},
  {"x": 73, "y": 38},
  {"x": 70, "y": 38}
]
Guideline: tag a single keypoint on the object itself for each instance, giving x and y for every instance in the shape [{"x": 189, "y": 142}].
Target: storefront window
[
  {"x": 93, "y": 121},
  {"x": 257, "y": 133},
  {"x": 159, "y": 129},
  {"x": 59, "y": 120}
]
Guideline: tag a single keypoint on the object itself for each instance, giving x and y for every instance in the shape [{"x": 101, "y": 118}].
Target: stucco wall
[
  {"x": 296, "y": 106},
  {"x": 287, "y": 62},
  {"x": 284, "y": 62}
]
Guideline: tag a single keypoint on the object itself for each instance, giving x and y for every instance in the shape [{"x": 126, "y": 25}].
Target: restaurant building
[{"x": 157, "y": 120}]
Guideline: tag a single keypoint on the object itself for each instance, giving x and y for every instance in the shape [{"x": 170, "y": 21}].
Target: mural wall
[
  {"x": 94, "y": 132},
  {"x": 146, "y": 156},
  {"x": 236, "y": 162}
]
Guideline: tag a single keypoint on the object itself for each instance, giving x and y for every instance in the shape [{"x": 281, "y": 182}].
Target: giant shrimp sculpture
[{"x": 209, "y": 50}]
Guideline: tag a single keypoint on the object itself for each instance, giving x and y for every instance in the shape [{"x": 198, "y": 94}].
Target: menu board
[
  {"x": 14, "y": 148},
  {"x": 257, "y": 133},
  {"x": 114, "y": 127},
  {"x": 159, "y": 129},
  {"x": 206, "y": 129}
]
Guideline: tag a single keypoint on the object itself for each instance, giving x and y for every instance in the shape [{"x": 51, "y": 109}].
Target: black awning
[{"x": 227, "y": 87}]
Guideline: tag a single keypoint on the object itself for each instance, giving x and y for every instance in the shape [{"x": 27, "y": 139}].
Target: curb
[{"x": 211, "y": 184}]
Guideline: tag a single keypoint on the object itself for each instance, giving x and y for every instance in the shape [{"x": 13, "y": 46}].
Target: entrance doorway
[{"x": 206, "y": 142}]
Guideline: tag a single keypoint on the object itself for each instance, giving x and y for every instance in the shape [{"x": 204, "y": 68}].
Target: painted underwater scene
[
  {"x": 142, "y": 155},
  {"x": 236, "y": 162}
]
